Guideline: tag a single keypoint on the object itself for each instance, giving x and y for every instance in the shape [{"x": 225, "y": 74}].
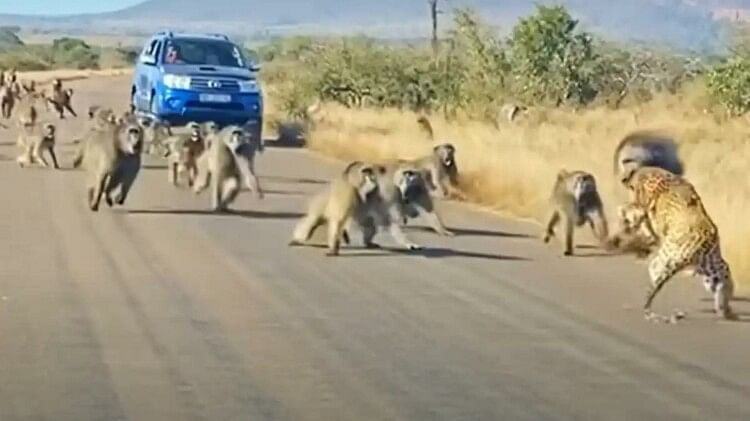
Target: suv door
[{"x": 146, "y": 74}]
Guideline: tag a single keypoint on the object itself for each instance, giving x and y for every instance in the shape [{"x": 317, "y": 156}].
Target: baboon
[
  {"x": 245, "y": 157},
  {"x": 401, "y": 190},
  {"x": 129, "y": 164},
  {"x": 336, "y": 205},
  {"x": 635, "y": 234},
  {"x": 33, "y": 141},
  {"x": 575, "y": 200},
  {"x": 28, "y": 112},
  {"x": 7, "y": 101},
  {"x": 60, "y": 99},
  {"x": 440, "y": 171},
  {"x": 106, "y": 154},
  {"x": 426, "y": 126},
  {"x": 155, "y": 134},
  {"x": 645, "y": 148},
  {"x": 30, "y": 87},
  {"x": 511, "y": 111},
  {"x": 219, "y": 166},
  {"x": 183, "y": 150}
]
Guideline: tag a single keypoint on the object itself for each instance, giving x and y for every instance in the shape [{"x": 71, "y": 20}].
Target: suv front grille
[{"x": 202, "y": 83}]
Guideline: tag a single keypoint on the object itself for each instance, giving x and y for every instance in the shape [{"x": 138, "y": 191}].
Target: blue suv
[{"x": 197, "y": 77}]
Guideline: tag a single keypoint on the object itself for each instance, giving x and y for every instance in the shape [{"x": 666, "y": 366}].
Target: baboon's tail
[
  {"x": 78, "y": 160},
  {"x": 426, "y": 126}
]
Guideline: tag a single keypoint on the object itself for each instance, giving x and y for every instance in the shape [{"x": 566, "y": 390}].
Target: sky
[{"x": 60, "y": 7}]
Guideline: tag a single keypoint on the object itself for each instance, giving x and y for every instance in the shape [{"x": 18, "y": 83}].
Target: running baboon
[
  {"x": 440, "y": 171},
  {"x": 155, "y": 134},
  {"x": 28, "y": 111},
  {"x": 218, "y": 165},
  {"x": 401, "y": 191},
  {"x": 645, "y": 148},
  {"x": 336, "y": 205},
  {"x": 33, "y": 141},
  {"x": 60, "y": 99},
  {"x": 183, "y": 150},
  {"x": 575, "y": 200},
  {"x": 129, "y": 164},
  {"x": 245, "y": 157},
  {"x": 106, "y": 154},
  {"x": 30, "y": 87}
]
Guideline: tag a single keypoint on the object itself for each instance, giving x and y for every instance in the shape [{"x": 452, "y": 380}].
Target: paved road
[{"x": 163, "y": 311}]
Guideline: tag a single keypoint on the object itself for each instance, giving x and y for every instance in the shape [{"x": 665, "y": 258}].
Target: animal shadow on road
[
  {"x": 470, "y": 232},
  {"x": 204, "y": 212},
  {"x": 439, "y": 252},
  {"x": 292, "y": 180},
  {"x": 154, "y": 167}
]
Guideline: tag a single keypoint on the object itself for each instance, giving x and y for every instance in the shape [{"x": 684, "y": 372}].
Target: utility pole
[{"x": 434, "y": 18}]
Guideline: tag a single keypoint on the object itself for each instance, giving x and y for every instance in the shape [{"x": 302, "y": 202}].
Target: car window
[
  {"x": 200, "y": 51},
  {"x": 151, "y": 48}
]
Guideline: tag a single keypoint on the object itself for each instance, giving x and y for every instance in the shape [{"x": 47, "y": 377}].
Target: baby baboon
[
  {"x": 219, "y": 166},
  {"x": 156, "y": 132},
  {"x": 336, "y": 205},
  {"x": 183, "y": 150},
  {"x": 440, "y": 171},
  {"x": 575, "y": 200},
  {"x": 509, "y": 112},
  {"x": 60, "y": 99},
  {"x": 426, "y": 126},
  {"x": 646, "y": 149},
  {"x": 33, "y": 141},
  {"x": 635, "y": 234},
  {"x": 105, "y": 157}
]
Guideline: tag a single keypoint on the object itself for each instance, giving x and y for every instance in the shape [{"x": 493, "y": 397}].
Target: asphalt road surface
[{"x": 162, "y": 310}]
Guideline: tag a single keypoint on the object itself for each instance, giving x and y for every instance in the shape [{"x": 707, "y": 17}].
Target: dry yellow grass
[{"x": 512, "y": 168}]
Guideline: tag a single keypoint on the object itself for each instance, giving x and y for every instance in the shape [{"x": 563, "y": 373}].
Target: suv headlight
[
  {"x": 249, "y": 86},
  {"x": 176, "y": 81}
]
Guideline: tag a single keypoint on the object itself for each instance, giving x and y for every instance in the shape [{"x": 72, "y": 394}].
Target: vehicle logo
[{"x": 214, "y": 84}]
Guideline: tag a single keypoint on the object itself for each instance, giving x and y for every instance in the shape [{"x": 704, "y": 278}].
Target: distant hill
[{"x": 683, "y": 23}]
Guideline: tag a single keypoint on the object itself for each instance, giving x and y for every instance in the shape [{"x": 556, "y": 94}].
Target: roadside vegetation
[
  {"x": 583, "y": 93},
  {"x": 61, "y": 53}
]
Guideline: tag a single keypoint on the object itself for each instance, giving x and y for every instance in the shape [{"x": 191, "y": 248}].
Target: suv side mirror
[{"x": 254, "y": 67}]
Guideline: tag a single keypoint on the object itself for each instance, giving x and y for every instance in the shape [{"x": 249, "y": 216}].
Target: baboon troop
[{"x": 368, "y": 197}]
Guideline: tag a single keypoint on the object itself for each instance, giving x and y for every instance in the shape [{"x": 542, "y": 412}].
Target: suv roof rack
[{"x": 171, "y": 34}]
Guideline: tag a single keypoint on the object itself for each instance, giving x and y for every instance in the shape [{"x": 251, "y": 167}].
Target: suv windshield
[{"x": 203, "y": 52}]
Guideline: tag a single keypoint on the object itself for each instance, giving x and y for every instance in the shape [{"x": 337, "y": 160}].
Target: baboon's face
[
  {"x": 409, "y": 182},
  {"x": 631, "y": 216},
  {"x": 368, "y": 181},
  {"x": 133, "y": 140},
  {"x": 583, "y": 184},
  {"x": 49, "y": 131},
  {"x": 446, "y": 154},
  {"x": 235, "y": 140}
]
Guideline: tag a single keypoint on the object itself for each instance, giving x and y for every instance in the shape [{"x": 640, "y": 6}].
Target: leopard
[{"x": 688, "y": 239}]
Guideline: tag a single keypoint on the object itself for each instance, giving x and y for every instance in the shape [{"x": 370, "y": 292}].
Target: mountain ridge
[{"x": 683, "y": 23}]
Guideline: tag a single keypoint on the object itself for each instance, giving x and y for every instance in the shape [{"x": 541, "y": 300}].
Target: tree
[{"x": 552, "y": 62}]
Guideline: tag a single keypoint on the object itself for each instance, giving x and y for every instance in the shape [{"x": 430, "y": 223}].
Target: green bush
[
  {"x": 729, "y": 84},
  {"x": 546, "y": 60},
  {"x": 74, "y": 53}
]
